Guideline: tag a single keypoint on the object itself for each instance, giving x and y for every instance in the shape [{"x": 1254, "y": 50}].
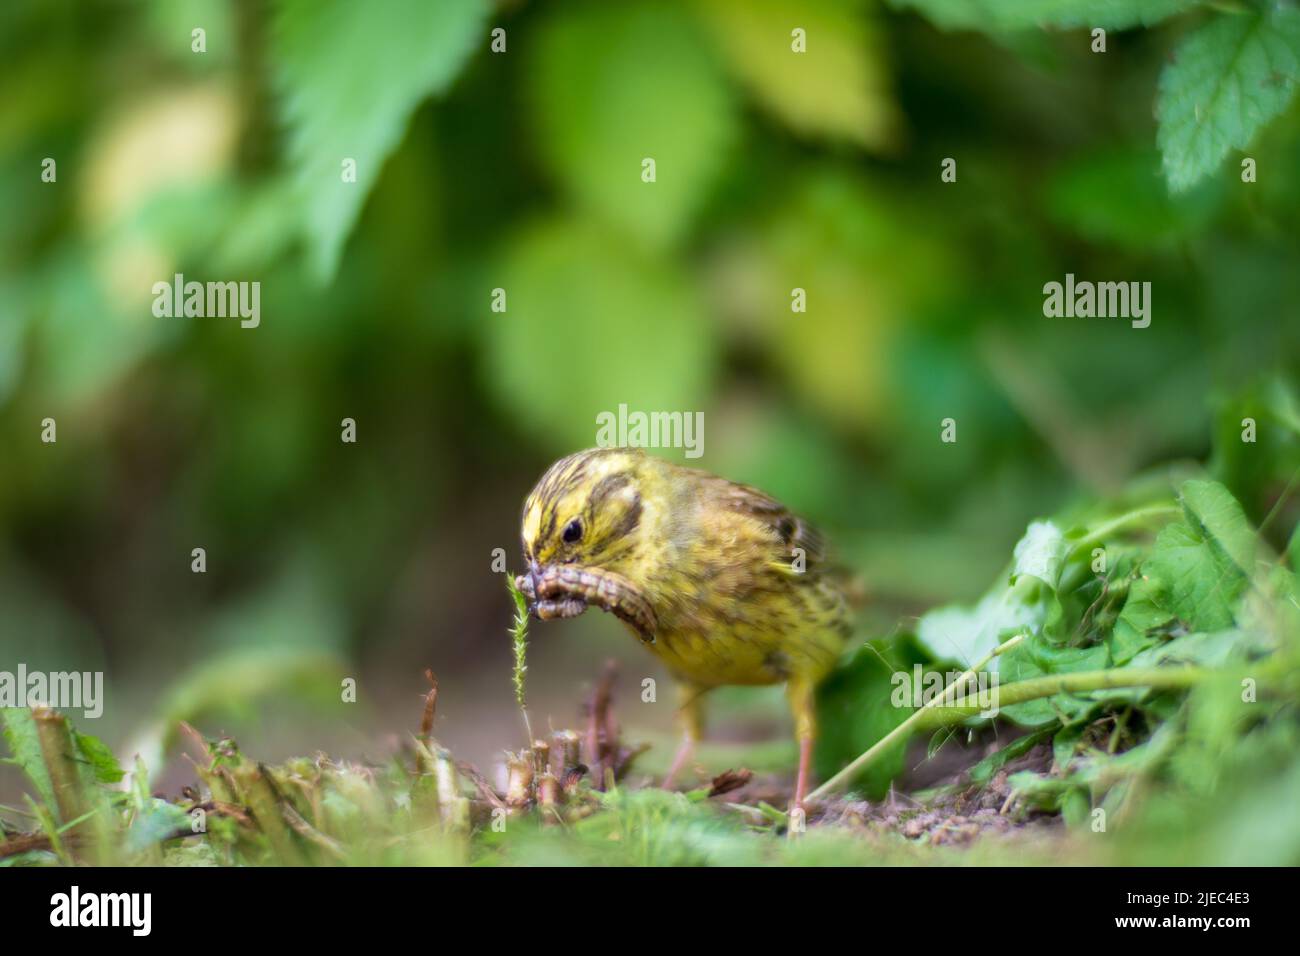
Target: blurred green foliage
[{"x": 521, "y": 170}]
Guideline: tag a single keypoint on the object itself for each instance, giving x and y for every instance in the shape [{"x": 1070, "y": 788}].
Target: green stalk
[
  {"x": 906, "y": 727},
  {"x": 519, "y": 636},
  {"x": 1137, "y": 516},
  {"x": 1082, "y": 682},
  {"x": 263, "y": 801},
  {"x": 77, "y": 800},
  {"x": 59, "y": 752},
  {"x": 947, "y": 708}
]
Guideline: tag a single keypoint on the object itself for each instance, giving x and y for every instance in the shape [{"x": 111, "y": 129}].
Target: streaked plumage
[{"x": 714, "y": 561}]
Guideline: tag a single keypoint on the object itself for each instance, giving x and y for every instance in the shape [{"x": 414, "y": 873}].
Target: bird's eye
[{"x": 572, "y": 531}]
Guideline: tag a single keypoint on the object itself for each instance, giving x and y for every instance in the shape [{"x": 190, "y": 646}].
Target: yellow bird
[{"x": 718, "y": 580}]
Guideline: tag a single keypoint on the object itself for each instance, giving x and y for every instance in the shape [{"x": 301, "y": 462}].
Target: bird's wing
[{"x": 788, "y": 530}]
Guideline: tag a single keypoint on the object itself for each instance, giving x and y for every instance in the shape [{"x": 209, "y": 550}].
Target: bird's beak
[{"x": 532, "y": 574}]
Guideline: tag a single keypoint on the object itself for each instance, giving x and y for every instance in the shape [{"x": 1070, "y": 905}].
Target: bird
[{"x": 720, "y": 581}]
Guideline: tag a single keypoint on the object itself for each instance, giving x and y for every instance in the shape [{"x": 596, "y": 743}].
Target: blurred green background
[{"x": 521, "y": 170}]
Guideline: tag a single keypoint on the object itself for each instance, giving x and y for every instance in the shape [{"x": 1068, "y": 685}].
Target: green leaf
[
  {"x": 1206, "y": 650},
  {"x": 1195, "y": 574},
  {"x": 838, "y": 87},
  {"x": 153, "y": 822},
  {"x": 102, "y": 762},
  {"x": 1189, "y": 582},
  {"x": 1036, "y": 658},
  {"x": 1065, "y": 743},
  {"x": 996, "y": 16},
  {"x": 1201, "y": 579},
  {"x": 1116, "y": 196},
  {"x": 1220, "y": 522},
  {"x": 349, "y": 78},
  {"x": 25, "y": 747},
  {"x": 588, "y": 312},
  {"x": 937, "y": 740},
  {"x": 1229, "y": 78},
  {"x": 616, "y": 84},
  {"x": 966, "y": 634},
  {"x": 1041, "y": 553},
  {"x": 983, "y": 771},
  {"x": 855, "y": 709},
  {"x": 1052, "y": 794},
  {"x": 1143, "y": 616}
]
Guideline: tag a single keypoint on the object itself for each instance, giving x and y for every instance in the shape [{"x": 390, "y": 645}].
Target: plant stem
[
  {"x": 1153, "y": 678},
  {"x": 263, "y": 801},
  {"x": 519, "y": 638},
  {"x": 905, "y": 728},
  {"x": 947, "y": 709},
  {"x": 58, "y": 751},
  {"x": 1136, "y": 516}
]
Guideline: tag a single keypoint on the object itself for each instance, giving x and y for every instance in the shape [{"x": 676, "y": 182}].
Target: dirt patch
[
  {"x": 956, "y": 814},
  {"x": 952, "y": 811}
]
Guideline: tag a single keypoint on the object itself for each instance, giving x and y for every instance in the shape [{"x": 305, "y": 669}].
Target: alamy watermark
[
  {"x": 64, "y": 690},
  {"x": 217, "y": 300},
  {"x": 1104, "y": 300},
  {"x": 626, "y": 429},
  {"x": 919, "y": 687},
  {"x": 75, "y": 908}
]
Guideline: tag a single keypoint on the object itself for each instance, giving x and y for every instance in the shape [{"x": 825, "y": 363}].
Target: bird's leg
[
  {"x": 690, "y": 715},
  {"x": 805, "y": 758},
  {"x": 799, "y": 693}
]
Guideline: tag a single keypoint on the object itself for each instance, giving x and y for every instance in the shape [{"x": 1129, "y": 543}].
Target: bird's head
[{"x": 589, "y": 509}]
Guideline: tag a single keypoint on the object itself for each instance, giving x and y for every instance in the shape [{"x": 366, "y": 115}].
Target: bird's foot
[{"x": 801, "y": 786}]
